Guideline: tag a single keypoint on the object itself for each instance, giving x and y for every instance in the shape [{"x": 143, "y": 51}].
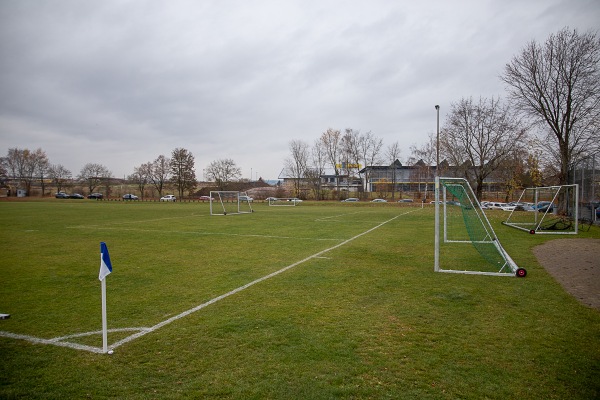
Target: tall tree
[
  {"x": 330, "y": 140},
  {"x": 393, "y": 154},
  {"x": 159, "y": 173},
  {"x": 370, "y": 151},
  {"x": 297, "y": 164},
  {"x": 141, "y": 176},
  {"x": 42, "y": 168},
  {"x": 318, "y": 162},
  {"x": 93, "y": 175},
  {"x": 183, "y": 174},
  {"x": 60, "y": 176},
  {"x": 222, "y": 172},
  {"x": 23, "y": 165},
  {"x": 557, "y": 84},
  {"x": 479, "y": 136}
]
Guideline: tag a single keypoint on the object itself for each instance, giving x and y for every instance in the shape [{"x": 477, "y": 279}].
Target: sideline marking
[{"x": 143, "y": 331}]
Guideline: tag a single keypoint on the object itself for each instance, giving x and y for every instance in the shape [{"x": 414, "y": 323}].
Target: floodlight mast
[{"x": 437, "y": 194}]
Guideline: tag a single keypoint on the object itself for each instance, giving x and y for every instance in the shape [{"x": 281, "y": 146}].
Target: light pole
[{"x": 437, "y": 143}]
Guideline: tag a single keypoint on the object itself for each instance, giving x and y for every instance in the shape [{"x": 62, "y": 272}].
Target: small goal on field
[
  {"x": 550, "y": 210},
  {"x": 284, "y": 201},
  {"x": 230, "y": 202},
  {"x": 465, "y": 241}
]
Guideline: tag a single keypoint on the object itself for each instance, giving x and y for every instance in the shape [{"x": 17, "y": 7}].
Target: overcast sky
[{"x": 121, "y": 82}]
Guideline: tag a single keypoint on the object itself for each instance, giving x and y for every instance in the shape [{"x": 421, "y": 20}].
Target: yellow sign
[{"x": 348, "y": 166}]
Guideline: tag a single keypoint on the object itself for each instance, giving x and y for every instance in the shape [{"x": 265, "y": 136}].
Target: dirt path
[{"x": 575, "y": 263}]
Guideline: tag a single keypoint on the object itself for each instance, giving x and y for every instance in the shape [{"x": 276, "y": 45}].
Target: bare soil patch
[{"x": 575, "y": 264}]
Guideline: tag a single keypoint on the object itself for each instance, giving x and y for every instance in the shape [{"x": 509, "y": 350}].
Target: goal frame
[
  {"x": 508, "y": 268},
  {"x": 217, "y": 197},
  {"x": 289, "y": 201},
  {"x": 535, "y": 224}
]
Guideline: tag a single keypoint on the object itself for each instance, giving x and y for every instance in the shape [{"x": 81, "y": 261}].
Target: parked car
[
  {"x": 492, "y": 205},
  {"x": 246, "y": 198},
  {"x": 378, "y": 201},
  {"x": 95, "y": 196},
  {"x": 405, "y": 201},
  {"x": 453, "y": 203},
  {"x": 271, "y": 199},
  {"x": 350, "y": 200},
  {"x": 129, "y": 196},
  {"x": 76, "y": 196},
  {"x": 168, "y": 197},
  {"x": 295, "y": 200},
  {"x": 205, "y": 198},
  {"x": 61, "y": 195},
  {"x": 544, "y": 206}
]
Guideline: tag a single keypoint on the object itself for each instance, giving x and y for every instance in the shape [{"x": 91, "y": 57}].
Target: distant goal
[
  {"x": 284, "y": 201},
  {"x": 230, "y": 203},
  {"x": 550, "y": 210}
]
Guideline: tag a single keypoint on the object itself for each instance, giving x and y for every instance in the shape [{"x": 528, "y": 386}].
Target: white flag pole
[{"x": 104, "y": 323}]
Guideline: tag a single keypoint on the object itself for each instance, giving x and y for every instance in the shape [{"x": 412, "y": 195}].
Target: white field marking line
[
  {"x": 246, "y": 286},
  {"x": 58, "y": 341},
  {"x": 207, "y": 233},
  {"x": 339, "y": 215}
]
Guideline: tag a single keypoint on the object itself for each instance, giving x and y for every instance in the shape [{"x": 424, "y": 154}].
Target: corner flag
[{"x": 105, "y": 265}]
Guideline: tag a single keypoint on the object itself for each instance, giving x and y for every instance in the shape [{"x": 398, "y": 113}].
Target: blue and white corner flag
[{"x": 105, "y": 265}]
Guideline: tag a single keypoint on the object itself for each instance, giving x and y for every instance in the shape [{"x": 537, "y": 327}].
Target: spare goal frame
[{"x": 221, "y": 199}]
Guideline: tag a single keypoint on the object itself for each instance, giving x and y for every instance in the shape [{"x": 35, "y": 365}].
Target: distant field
[{"x": 322, "y": 300}]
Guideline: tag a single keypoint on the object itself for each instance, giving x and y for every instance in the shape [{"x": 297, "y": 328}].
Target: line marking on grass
[{"x": 59, "y": 341}]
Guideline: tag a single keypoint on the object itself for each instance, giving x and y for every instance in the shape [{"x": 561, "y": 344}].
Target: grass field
[{"x": 343, "y": 302}]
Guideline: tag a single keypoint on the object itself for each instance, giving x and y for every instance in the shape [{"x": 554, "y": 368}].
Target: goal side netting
[
  {"x": 229, "y": 203},
  {"x": 550, "y": 210},
  {"x": 283, "y": 202},
  {"x": 465, "y": 241}
]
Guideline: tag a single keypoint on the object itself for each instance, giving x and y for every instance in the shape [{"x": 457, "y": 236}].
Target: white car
[
  {"x": 246, "y": 198},
  {"x": 378, "y": 201},
  {"x": 168, "y": 197}
]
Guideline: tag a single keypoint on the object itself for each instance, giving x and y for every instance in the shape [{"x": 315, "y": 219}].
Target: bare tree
[
  {"x": 60, "y": 176},
  {"x": 330, "y": 140},
  {"x": 557, "y": 84},
  {"x": 393, "y": 154},
  {"x": 297, "y": 164},
  {"x": 141, "y": 176},
  {"x": 183, "y": 174},
  {"x": 350, "y": 152},
  {"x": 479, "y": 136},
  {"x": 42, "y": 168},
  {"x": 93, "y": 175},
  {"x": 318, "y": 161},
  {"x": 159, "y": 173},
  {"x": 24, "y": 164},
  {"x": 370, "y": 152},
  {"x": 222, "y": 172}
]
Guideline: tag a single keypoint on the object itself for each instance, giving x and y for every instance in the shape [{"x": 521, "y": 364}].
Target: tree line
[
  {"x": 27, "y": 167},
  {"x": 546, "y": 127}
]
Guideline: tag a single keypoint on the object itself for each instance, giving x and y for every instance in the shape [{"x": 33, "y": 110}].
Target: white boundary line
[{"x": 58, "y": 341}]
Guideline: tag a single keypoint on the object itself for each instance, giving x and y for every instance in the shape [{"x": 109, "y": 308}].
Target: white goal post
[
  {"x": 228, "y": 202},
  {"x": 550, "y": 210},
  {"x": 465, "y": 241},
  {"x": 284, "y": 201}
]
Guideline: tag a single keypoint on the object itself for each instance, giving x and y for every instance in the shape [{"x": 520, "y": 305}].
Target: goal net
[
  {"x": 547, "y": 210},
  {"x": 229, "y": 202},
  {"x": 284, "y": 201},
  {"x": 465, "y": 241}
]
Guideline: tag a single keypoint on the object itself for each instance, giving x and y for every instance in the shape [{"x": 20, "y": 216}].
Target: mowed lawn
[{"x": 358, "y": 313}]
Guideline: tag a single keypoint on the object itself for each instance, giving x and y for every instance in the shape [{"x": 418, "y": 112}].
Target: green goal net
[{"x": 465, "y": 241}]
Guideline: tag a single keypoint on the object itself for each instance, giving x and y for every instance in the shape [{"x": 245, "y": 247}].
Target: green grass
[{"x": 368, "y": 319}]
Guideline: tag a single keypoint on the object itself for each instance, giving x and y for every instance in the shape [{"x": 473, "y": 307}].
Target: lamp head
[{"x": 437, "y": 107}]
